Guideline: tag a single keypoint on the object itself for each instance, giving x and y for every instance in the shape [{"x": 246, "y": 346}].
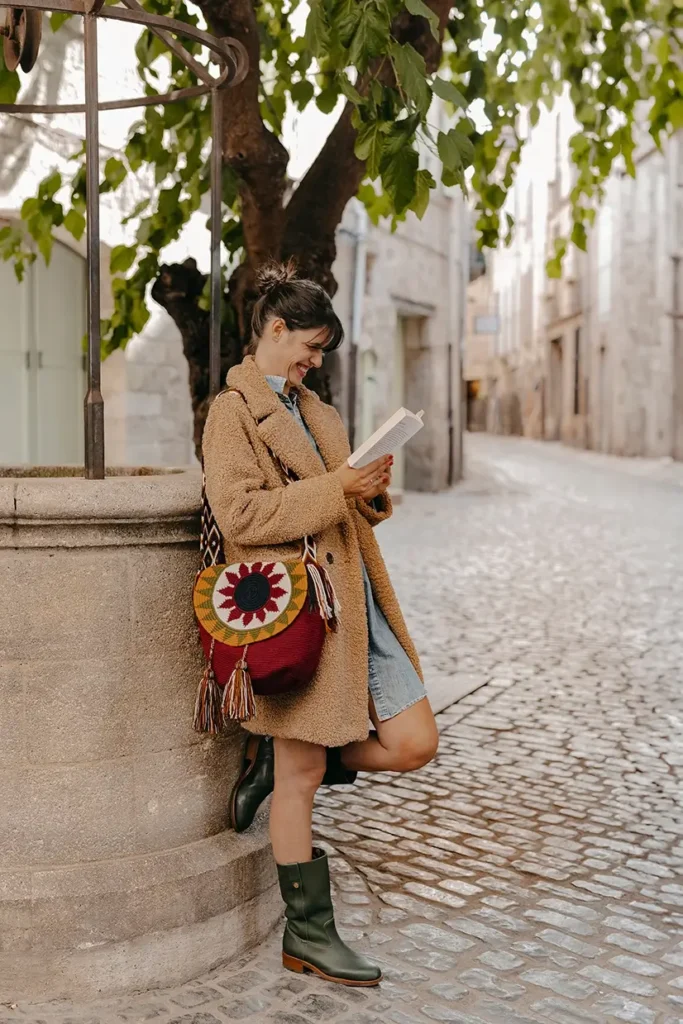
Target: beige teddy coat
[{"x": 264, "y": 519}]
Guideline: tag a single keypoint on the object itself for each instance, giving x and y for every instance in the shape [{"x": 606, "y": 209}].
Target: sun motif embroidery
[
  {"x": 255, "y": 593},
  {"x": 246, "y": 602}
]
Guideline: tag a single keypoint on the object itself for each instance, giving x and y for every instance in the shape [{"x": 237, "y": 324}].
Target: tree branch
[
  {"x": 315, "y": 210},
  {"x": 255, "y": 154}
]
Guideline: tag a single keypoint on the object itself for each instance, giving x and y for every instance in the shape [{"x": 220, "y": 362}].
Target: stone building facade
[
  {"x": 401, "y": 297},
  {"x": 594, "y": 358}
]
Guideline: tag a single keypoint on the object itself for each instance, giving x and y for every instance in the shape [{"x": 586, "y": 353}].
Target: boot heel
[{"x": 291, "y": 963}]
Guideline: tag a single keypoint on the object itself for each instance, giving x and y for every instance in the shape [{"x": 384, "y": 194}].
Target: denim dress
[{"x": 392, "y": 680}]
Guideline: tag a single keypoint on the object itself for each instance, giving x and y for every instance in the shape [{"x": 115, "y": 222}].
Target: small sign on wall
[{"x": 486, "y": 324}]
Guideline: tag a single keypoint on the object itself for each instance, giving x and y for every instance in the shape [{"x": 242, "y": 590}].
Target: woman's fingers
[{"x": 377, "y": 468}]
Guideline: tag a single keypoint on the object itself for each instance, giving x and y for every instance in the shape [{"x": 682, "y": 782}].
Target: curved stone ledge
[{"x": 69, "y": 511}]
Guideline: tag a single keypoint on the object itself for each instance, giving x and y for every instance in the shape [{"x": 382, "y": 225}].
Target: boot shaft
[{"x": 305, "y": 890}]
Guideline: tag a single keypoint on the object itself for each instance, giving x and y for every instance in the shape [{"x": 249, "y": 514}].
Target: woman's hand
[
  {"x": 381, "y": 485},
  {"x": 367, "y": 482}
]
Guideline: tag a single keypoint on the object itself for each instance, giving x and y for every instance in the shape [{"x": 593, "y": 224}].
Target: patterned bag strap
[{"x": 211, "y": 550}]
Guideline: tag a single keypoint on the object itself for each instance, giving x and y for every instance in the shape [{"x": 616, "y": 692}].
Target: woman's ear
[{"x": 278, "y": 327}]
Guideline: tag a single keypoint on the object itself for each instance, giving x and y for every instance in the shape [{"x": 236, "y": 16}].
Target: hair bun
[{"x": 273, "y": 274}]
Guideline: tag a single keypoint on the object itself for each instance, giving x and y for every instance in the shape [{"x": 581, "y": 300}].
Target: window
[{"x": 42, "y": 379}]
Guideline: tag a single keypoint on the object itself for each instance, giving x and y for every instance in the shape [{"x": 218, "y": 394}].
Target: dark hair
[{"x": 303, "y": 305}]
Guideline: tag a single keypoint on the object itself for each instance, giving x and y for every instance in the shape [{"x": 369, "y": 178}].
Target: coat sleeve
[
  {"x": 246, "y": 510},
  {"x": 376, "y": 511}
]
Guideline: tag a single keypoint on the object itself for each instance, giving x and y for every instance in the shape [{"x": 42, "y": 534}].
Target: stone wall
[{"x": 592, "y": 359}]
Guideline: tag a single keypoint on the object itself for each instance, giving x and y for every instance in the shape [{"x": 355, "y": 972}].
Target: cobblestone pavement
[{"x": 534, "y": 871}]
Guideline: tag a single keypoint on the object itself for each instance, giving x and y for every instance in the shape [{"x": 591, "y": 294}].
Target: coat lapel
[{"x": 276, "y": 427}]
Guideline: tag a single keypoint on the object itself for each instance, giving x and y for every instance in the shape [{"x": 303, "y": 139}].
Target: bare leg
[
  {"x": 402, "y": 744},
  {"x": 299, "y": 769}
]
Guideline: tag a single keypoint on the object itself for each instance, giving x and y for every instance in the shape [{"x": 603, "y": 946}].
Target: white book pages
[{"x": 391, "y": 436}]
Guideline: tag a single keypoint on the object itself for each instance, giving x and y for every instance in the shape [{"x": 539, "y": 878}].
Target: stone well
[{"x": 117, "y": 870}]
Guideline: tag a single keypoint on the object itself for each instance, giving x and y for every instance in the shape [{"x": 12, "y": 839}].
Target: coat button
[{"x": 329, "y": 557}]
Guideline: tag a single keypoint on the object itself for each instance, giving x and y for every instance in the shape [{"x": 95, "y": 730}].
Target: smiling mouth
[{"x": 303, "y": 370}]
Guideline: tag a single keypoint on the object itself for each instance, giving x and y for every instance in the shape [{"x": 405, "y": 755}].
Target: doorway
[
  {"x": 555, "y": 380},
  {"x": 412, "y": 388},
  {"x": 42, "y": 367}
]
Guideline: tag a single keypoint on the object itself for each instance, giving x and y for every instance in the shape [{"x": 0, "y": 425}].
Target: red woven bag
[{"x": 262, "y": 625}]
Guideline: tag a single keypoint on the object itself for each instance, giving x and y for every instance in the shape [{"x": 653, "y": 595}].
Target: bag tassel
[
  {"x": 238, "y": 698},
  {"x": 322, "y": 595},
  {"x": 208, "y": 716}
]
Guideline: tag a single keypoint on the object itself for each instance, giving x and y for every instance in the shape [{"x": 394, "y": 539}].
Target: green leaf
[
  {"x": 350, "y": 91},
  {"x": 455, "y": 150},
  {"x": 399, "y": 177},
  {"x": 675, "y": 114},
  {"x": 579, "y": 237},
  {"x": 327, "y": 100},
  {"x": 45, "y": 243},
  {"x": 168, "y": 200},
  {"x": 51, "y": 184},
  {"x": 401, "y": 133},
  {"x": 369, "y": 145},
  {"x": 553, "y": 268},
  {"x": 448, "y": 92},
  {"x": 137, "y": 211},
  {"x": 420, "y": 9},
  {"x": 302, "y": 93},
  {"x": 74, "y": 222},
  {"x": 136, "y": 151},
  {"x": 346, "y": 16},
  {"x": 425, "y": 184},
  {"x": 411, "y": 73},
  {"x": 58, "y": 18},
  {"x": 370, "y": 38},
  {"x": 9, "y": 84},
  {"x": 121, "y": 259},
  {"x": 317, "y": 29},
  {"x": 662, "y": 49},
  {"x": 29, "y": 207},
  {"x": 114, "y": 173}
]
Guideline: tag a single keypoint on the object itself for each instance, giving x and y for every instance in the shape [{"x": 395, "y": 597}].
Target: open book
[{"x": 393, "y": 434}]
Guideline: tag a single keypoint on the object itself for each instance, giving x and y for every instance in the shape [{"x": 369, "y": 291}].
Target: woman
[{"x": 369, "y": 664}]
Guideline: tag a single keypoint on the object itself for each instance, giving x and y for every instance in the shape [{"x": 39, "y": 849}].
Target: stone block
[
  {"x": 104, "y": 903},
  {"x": 182, "y": 795},
  {"x": 12, "y": 716},
  {"x": 15, "y": 911},
  {"x": 79, "y": 710},
  {"x": 65, "y": 605}
]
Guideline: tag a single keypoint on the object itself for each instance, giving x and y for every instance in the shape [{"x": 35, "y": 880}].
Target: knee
[
  {"x": 415, "y": 752},
  {"x": 304, "y": 776}
]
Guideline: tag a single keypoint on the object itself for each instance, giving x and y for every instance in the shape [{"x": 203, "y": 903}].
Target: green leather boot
[
  {"x": 257, "y": 779},
  {"x": 255, "y": 782},
  {"x": 336, "y": 774},
  {"x": 311, "y": 942}
]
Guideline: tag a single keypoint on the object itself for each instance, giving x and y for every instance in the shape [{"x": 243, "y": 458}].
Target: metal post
[
  {"x": 216, "y": 231},
  {"x": 94, "y": 405}
]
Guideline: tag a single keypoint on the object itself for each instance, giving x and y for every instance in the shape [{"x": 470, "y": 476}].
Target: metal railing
[{"x": 232, "y": 59}]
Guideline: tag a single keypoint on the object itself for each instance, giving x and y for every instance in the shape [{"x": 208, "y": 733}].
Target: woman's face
[{"x": 298, "y": 351}]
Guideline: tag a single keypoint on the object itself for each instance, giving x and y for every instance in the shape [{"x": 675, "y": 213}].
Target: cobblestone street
[{"x": 533, "y": 872}]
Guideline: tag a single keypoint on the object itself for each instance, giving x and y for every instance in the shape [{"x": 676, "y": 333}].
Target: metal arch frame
[{"x": 232, "y": 59}]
